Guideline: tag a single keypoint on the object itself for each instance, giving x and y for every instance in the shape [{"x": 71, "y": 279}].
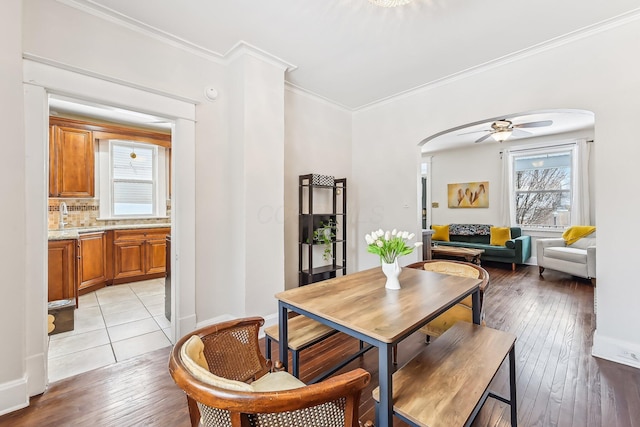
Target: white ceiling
[{"x": 354, "y": 53}]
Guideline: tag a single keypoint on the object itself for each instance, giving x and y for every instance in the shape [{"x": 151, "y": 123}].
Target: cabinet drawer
[{"x": 140, "y": 234}]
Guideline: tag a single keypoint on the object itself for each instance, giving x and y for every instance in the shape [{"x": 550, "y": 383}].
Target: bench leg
[{"x": 512, "y": 387}]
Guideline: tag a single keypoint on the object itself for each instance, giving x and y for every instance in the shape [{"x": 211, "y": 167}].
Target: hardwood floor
[{"x": 559, "y": 383}]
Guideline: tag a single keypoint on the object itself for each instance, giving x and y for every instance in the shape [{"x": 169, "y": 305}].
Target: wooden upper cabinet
[{"x": 71, "y": 162}]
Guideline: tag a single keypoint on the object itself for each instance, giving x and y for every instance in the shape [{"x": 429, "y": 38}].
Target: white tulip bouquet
[{"x": 389, "y": 245}]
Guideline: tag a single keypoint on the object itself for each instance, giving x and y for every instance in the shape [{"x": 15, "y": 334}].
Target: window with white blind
[
  {"x": 132, "y": 180},
  {"x": 133, "y": 168}
]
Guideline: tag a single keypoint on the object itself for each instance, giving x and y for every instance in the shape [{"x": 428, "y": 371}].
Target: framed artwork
[{"x": 468, "y": 195}]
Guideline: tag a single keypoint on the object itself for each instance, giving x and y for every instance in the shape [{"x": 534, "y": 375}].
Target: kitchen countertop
[{"x": 73, "y": 233}]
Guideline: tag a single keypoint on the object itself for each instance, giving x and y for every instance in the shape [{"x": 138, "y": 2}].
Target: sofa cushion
[
  {"x": 566, "y": 254},
  {"x": 441, "y": 233},
  {"x": 469, "y": 229},
  {"x": 585, "y": 242},
  {"x": 499, "y": 236}
]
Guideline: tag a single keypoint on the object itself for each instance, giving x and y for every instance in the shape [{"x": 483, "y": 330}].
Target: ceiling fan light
[
  {"x": 502, "y": 135},
  {"x": 390, "y": 3}
]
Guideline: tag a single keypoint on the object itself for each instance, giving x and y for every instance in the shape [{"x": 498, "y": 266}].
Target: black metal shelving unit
[{"x": 311, "y": 267}]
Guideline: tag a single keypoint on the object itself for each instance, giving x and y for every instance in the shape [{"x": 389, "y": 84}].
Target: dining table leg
[
  {"x": 283, "y": 334},
  {"x": 384, "y": 410},
  {"x": 475, "y": 306}
]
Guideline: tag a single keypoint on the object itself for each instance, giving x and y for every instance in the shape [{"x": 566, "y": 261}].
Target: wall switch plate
[{"x": 435, "y": 205}]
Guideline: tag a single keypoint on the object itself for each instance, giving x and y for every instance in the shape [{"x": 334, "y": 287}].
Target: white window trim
[
  {"x": 559, "y": 146},
  {"x": 105, "y": 186}
]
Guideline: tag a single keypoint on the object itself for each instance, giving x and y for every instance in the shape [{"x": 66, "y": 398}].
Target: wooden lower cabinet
[
  {"x": 139, "y": 254},
  {"x": 92, "y": 261},
  {"x": 62, "y": 278}
]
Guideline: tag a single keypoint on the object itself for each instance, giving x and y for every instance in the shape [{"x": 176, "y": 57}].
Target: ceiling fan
[{"x": 503, "y": 129}]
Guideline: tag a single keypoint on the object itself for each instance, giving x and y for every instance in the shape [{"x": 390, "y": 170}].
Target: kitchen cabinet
[
  {"x": 61, "y": 266},
  {"x": 92, "y": 261},
  {"x": 71, "y": 162},
  {"x": 139, "y": 254}
]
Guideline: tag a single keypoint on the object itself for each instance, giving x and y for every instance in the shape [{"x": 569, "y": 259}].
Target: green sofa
[{"x": 477, "y": 236}]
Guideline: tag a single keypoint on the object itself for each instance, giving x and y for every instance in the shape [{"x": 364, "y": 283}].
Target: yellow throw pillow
[
  {"x": 500, "y": 235},
  {"x": 441, "y": 233}
]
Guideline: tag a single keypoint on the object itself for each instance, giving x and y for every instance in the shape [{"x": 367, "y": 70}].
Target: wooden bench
[
  {"x": 303, "y": 332},
  {"x": 447, "y": 383}
]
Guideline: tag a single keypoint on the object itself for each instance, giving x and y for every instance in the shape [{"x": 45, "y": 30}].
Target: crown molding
[
  {"x": 291, "y": 87},
  {"x": 550, "y": 44},
  {"x": 92, "y": 8},
  {"x": 241, "y": 47},
  {"x": 244, "y": 48}
]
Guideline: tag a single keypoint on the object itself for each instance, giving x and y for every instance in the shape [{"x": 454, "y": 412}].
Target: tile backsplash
[{"x": 85, "y": 213}]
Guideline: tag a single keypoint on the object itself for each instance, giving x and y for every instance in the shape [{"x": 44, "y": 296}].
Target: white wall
[
  {"x": 13, "y": 386},
  {"x": 596, "y": 73},
  {"x": 57, "y": 34},
  {"x": 317, "y": 140}
]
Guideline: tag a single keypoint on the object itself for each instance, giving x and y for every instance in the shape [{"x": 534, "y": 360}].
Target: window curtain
[
  {"x": 507, "y": 208},
  {"x": 581, "y": 201}
]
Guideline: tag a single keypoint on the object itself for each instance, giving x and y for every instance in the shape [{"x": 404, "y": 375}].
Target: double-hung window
[
  {"x": 133, "y": 168},
  {"x": 543, "y": 187},
  {"x": 132, "y": 179}
]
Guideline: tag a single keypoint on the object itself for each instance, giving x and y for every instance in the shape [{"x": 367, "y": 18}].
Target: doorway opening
[{"x": 116, "y": 276}]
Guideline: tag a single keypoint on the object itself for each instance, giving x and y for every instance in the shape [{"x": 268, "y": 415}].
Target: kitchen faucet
[{"x": 63, "y": 212}]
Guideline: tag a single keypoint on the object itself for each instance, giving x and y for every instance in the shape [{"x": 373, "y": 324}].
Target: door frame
[{"x": 42, "y": 79}]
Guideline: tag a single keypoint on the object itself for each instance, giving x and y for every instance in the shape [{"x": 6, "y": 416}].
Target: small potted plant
[{"x": 325, "y": 234}]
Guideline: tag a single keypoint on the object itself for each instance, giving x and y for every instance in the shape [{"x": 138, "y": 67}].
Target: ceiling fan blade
[
  {"x": 520, "y": 132},
  {"x": 482, "y": 138},
  {"x": 539, "y": 124},
  {"x": 474, "y": 131}
]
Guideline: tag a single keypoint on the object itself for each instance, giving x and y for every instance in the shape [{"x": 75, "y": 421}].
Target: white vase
[{"x": 392, "y": 271}]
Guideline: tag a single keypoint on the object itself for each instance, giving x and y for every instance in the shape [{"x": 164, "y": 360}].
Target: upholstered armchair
[
  {"x": 229, "y": 383},
  {"x": 578, "y": 259}
]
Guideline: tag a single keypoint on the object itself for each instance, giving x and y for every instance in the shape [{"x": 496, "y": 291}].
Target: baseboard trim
[
  {"x": 217, "y": 319},
  {"x": 13, "y": 395},
  {"x": 186, "y": 325},
  {"x": 616, "y": 350},
  {"x": 37, "y": 374}
]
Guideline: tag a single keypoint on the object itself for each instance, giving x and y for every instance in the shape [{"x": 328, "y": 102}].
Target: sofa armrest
[
  {"x": 591, "y": 261},
  {"x": 541, "y": 244},
  {"x": 550, "y": 242},
  {"x": 522, "y": 246}
]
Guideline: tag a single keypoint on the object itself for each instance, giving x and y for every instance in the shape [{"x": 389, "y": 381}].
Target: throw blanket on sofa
[
  {"x": 575, "y": 233},
  {"x": 469, "y": 229}
]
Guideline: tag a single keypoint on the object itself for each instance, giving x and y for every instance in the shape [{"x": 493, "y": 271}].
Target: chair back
[{"x": 238, "y": 388}]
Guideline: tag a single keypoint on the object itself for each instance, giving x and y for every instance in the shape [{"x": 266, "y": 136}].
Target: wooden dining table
[{"x": 359, "y": 305}]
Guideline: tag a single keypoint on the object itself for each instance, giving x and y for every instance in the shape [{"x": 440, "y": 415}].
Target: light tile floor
[{"x": 111, "y": 325}]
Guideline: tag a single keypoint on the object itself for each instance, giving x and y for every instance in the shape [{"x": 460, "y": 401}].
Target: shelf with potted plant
[{"x": 322, "y": 228}]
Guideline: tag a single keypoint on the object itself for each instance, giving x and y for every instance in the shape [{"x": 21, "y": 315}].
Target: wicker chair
[
  {"x": 461, "y": 311},
  {"x": 229, "y": 383}
]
